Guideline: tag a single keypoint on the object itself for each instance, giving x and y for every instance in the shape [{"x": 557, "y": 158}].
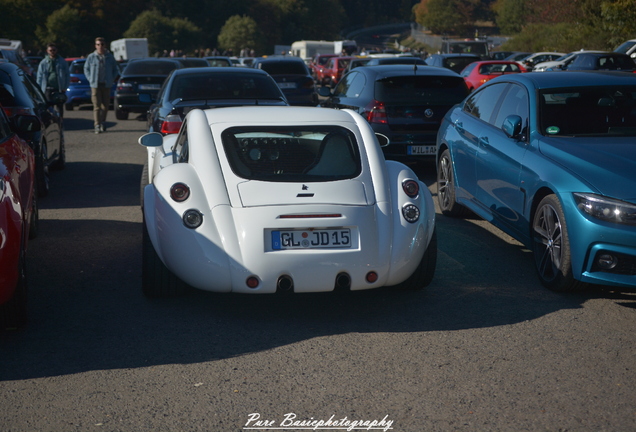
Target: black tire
[
  {"x": 143, "y": 183},
  {"x": 34, "y": 222},
  {"x": 423, "y": 274},
  {"x": 42, "y": 171},
  {"x": 156, "y": 280},
  {"x": 551, "y": 247},
  {"x": 13, "y": 314},
  {"x": 121, "y": 114},
  {"x": 446, "y": 188}
]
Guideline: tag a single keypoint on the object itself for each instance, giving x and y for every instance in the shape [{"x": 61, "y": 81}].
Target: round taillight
[
  {"x": 252, "y": 282},
  {"x": 411, "y": 188},
  {"x": 371, "y": 277},
  {"x": 411, "y": 213},
  {"x": 179, "y": 192},
  {"x": 192, "y": 218}
]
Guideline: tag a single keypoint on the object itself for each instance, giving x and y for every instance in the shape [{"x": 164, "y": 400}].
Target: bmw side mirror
[
  {"x": 383, "y": 139},
  {"x": 27, "y": 124},
  {"x": 152, "y": 139},
  {"x": 324, "y": 91},
  {"x": 512, "y": 126}
]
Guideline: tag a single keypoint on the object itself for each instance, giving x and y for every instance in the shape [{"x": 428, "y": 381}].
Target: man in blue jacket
[
  {"x": 53, "y": 75},
  {"x": 101, "y": 70}
]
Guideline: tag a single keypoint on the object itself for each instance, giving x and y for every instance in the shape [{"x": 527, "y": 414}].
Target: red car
[
  {"x": 477, "y": 73},
  {"x": 318, "y": 63},
  {"x": 18, "y": 215},
  {"x": 333, "y": 71}
]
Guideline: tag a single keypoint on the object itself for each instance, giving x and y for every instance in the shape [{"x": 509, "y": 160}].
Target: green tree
[
  {"x": 61, "y": 27},
  {"x": 240, "y": 32},
  {"x": 511, "y": 15},
  {"x": 619, "y": 21},
  {"x": 164, "y": 33},
  {"x": 441, "y": 17}
]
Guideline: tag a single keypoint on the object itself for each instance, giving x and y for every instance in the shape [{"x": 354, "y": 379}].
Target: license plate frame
[
  {"x": 422, "y": 150},
  {"x": 311, "y": 238}
]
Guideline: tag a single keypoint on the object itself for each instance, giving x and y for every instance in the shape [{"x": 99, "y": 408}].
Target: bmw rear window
[
  {"x": 224, "y": 86},
  {"x": 292, "y": 154},
  {"x": 150, "y": 68},
  {"x": 284, "y": 68},
  {"x": 423, "y": 90}
]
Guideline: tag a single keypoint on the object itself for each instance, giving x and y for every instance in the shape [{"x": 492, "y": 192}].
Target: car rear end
[
  {"x": 140, "y": 83},
  {"x": 79, "y": 89},
  {"x": 294, "y": 79},
  {"x": 408, "y": 108}
]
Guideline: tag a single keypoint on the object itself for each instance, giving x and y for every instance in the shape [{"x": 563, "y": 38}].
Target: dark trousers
[{"x": 50, "y": 91}]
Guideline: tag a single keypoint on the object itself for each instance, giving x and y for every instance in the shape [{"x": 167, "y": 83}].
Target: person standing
[
  {"x": 101, "y": 70},
  {"x": 53, "y": 75}
]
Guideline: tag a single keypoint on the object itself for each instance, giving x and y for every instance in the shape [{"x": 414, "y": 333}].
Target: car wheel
[
  {"x": 446, "y": 188},
  {"x": 34, "y": 222},
  {"x": 423, "y": 274},
  {"x": 156, "y": 279},
  {"x": 42, "y": 171},
  {"x": 121, "y": 114},
  {"x": 13, "y": 314},
  {"x": 551, "y": 247}
]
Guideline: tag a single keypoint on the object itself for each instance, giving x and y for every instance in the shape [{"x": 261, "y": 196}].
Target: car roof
[
  {"x": 286, "y": 115},
  {"x": 456, "y": 55},
  {"x": 278, "y": 59},
  {"x": 383, "y": 71},
  {"x": 566, "y": 79},
  {"x": 216, "y": 69}
]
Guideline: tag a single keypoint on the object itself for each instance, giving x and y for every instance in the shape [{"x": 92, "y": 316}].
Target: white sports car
[{"x": 269, "y": 199}]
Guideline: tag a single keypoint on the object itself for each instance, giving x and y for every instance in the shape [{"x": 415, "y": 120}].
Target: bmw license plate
[
  {"x": 286, "y": 85},
  {"x": 421, "y": 150},
  {"x": 311, "y": 239}
]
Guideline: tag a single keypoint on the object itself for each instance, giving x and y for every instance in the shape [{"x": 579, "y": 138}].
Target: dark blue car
[{"x": 549, "y": 158}]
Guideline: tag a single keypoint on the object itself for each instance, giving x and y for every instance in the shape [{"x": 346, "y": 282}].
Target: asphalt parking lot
[{"x": 484, "y": 348}]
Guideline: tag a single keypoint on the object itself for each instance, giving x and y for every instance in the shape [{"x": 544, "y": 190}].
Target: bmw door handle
[
  {"x": 483, "y": 142},
  {"x": 459, "y": 126}
]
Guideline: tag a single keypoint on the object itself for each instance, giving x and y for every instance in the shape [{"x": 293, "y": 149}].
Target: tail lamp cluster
[
  {"x": 192, "y": 218},
  {"x": 411, "y": 212}
]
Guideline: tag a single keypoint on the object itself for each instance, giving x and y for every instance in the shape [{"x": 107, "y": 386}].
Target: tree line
[
  {"x": 190, "y": 25},
  {"x": 534, "y": 25}
]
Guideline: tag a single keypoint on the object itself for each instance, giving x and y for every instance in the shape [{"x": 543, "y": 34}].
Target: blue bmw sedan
[{"x": 549, "y": 159}]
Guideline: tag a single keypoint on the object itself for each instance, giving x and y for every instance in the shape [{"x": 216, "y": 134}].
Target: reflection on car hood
[{"x": 608, "y": 165}]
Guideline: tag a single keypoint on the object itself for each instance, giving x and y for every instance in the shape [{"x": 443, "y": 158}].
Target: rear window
[
  {"x": 292, "y": 154},
  {"x": 488, "y": 69},
  {"x": 224, "y": 86},
  {"x": 427, "y": 90},
  {"x": 150, "y": 68},
  {"x": 284, "y": 68},
  {"x": 597, "y": 111},
  {"x": 77, "y": 68}
]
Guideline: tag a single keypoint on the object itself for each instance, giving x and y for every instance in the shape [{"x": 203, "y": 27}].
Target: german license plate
[
  {"x": 421, "y": 150},
  {"x": 287, "y": 85},
  {"x": 311, "y": 239},
  {"x": 149, "y": 86}
]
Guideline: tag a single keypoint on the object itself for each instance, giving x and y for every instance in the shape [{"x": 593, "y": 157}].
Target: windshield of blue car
[
  {"x": 292, "y": 154},
  {"x": 596, "y": 111},
  {"x": 423, "y": 90},
  {"x": 230, "y": 85}
]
